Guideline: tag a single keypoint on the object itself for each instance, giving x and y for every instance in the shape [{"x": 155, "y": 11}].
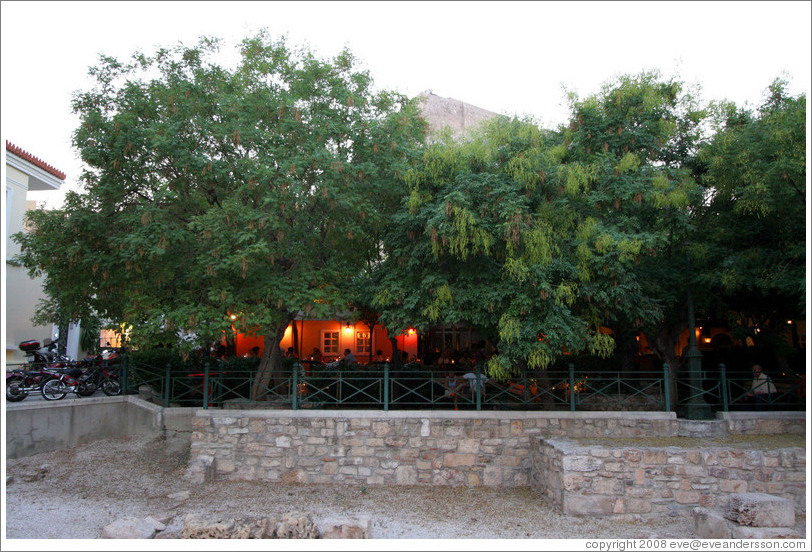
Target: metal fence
[
  {"x": 213, "y": 384},
  {"x": 386, "y": 387}
]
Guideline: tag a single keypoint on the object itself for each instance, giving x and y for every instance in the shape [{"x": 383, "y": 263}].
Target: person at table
[
  {"x": 762, "y": 389},
  {"x": 378, "y": 356},
  {"x": 445, "y": 360},
  {"x": 452, "y": 386},
  {"x": 290, "y": 353},
  {"x": 349, "y": 359},
  {"x": 471, "y": 378},
  {"x": 315, "y": 356}
]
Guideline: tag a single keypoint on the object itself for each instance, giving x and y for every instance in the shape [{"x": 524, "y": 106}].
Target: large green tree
[
  {"x": 217, "y": 197},
  {"x": 640, "y": 136},
  {"x": 539, "y": 238},
  {"x": 754, "y": 221}
]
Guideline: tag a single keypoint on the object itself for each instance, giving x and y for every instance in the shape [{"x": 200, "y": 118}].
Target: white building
[{"x": 24, "y": 173}]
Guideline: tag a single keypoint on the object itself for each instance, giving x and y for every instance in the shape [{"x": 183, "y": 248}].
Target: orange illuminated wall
[{"x": 310, "y": 334}]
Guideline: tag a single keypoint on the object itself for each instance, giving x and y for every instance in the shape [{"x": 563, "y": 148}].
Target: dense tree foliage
[
  {"x": 216, "y": 197},
  {"x": 754, "y": 222},
  {"x": 540, "y": 239}
]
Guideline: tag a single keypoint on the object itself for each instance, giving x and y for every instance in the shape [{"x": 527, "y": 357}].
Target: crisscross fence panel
[{"x": 209, "y": 383}]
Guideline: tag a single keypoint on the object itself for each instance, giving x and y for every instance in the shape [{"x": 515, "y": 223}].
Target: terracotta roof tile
[{"x": 19, "y": 152}]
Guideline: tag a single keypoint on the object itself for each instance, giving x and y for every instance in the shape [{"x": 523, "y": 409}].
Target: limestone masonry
[{"x": 491, "y": 449}]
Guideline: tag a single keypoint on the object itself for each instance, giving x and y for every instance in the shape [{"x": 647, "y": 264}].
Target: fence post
[
  {"x": 723, "y": 377},
  {"x": 294, "y": 401},
  {"x": 572, "y": 387},
  {"x": 386, "y": 386},
  {"x": 167, "y": 385},
  {"x": 205, "y": 385},
  {"x": 478, "y": 388},
  {"x": 667, "y": 386}
]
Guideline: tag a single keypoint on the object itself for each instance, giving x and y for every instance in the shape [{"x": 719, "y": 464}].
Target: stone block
[
  {"x": 132, "y": 528},
  {"x": 687, "y": 497},
  {"x": 492, "y": 477},
  {"x": 349, "y": 528},
  {"x": 709, "y": 524},
  {"x": 406, "y": 475},
  {"x": 295, "y": 525},
  {"x": 733, "y": 486},
  {"x": 760, "y": 510},
  {"x": 455, "y": 460},
  {"x": 580, "y": 463},
  {"x": 588, "y": 505},
  {"x": 197, "y": 526},
  {"x": 606, "y": 485}
]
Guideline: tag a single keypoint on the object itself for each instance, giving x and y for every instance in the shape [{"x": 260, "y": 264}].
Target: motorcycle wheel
[
  {"x": 14, "y": 389},
  {"x": 111, "y": 388},
  {"x": 54, "y": 390}
]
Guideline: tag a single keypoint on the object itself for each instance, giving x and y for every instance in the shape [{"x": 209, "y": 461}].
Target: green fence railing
[{"x": 381, "y": 386}]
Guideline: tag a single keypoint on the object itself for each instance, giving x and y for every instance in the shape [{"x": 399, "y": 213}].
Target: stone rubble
[{"x": 292, "y": 525}]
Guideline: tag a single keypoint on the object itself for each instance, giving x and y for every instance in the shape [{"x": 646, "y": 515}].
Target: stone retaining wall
[
  {"x": 764, "y": 423},
  {"x": 394, "y": 448},
  {"x": 620, "y": 481}
]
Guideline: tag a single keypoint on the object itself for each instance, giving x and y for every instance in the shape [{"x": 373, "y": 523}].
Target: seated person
[
  {"x": 452, "y": 386},
  {"x": 378, "y": 356},
  {"x": 471, "y": 378},
  {"x": 315, "y": 356},
  {"x": 349, "y": 359},
  {"x": 290, "y": 353}
]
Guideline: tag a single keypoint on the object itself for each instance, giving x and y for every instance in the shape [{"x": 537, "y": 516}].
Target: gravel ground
[
  {"x": 84, "y": 488},
  {"x": 74, "y": 493}
]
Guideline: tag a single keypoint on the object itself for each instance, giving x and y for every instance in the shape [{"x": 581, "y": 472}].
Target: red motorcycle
[
  {"x": 83, "y": 378},
  {"x": 31, "y": 377}
]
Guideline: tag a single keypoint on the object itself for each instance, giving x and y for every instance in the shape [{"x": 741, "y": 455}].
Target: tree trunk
[
  {"x": 627, "y": 347},
  {"x": 395, "y": 360},
  {"x": 295, "y": 335},
  {"x": 270, "y": 370},
  {"x": 664, "y": 346}
]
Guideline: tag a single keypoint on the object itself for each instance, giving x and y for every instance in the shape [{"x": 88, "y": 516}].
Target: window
[
  {"x": 362, "y": 342},
  {"x": 329, "y": 342}
]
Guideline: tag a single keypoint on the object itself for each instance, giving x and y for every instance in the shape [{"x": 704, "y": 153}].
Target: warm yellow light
[
  {"x": 348, "y": 329},
  {"x": 233, "y": 317},
  {"x": 411, "y": 331},
  {"x": 707, "y": 340}
]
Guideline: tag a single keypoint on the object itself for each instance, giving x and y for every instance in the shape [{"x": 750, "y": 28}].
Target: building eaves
[{"x": 36, "y": 161}]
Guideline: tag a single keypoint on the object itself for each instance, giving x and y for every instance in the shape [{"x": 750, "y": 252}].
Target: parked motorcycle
[
  {"x": 21, "y": 382},
  {"x": 83, "y": 377},
  {"x": 61, "y": 382},
  {"x": 98, "y": 376},
  {"x": 30, "y": 378}
]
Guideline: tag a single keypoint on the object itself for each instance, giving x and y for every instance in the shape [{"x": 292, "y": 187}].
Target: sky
[{"x": 515, "y": 58}]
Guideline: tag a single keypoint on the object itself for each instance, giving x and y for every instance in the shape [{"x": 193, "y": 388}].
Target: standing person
[{"x": 761, "y": 389}]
